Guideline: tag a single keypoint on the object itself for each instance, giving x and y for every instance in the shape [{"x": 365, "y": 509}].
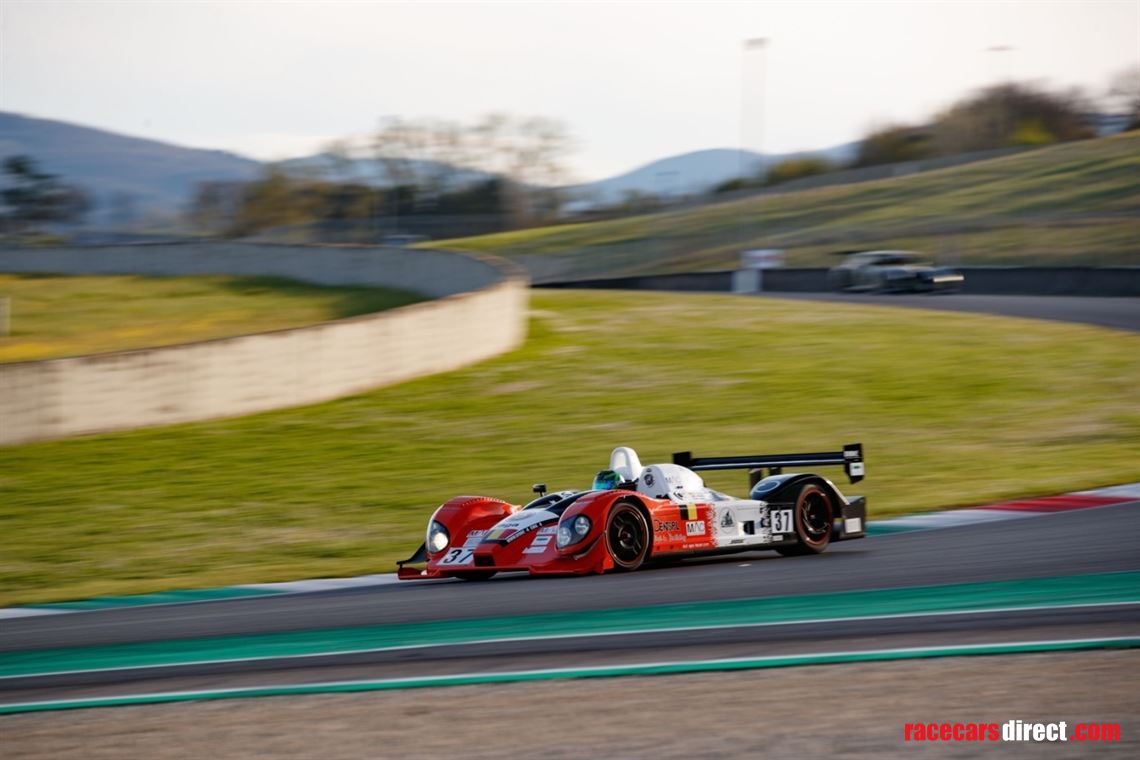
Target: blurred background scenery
[
  {"x": 340, "y": 124},
  {"x": 580, "y": 142}
]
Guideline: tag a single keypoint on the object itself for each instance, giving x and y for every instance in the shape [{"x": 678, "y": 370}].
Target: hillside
[
  {"x": 689, "y": 173},
  {"x": 1077, "y": 203},
  {"x": 154, "y": 176}
]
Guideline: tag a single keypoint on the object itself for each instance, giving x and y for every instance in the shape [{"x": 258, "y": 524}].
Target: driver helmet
[{"x": 606, "y": 480}]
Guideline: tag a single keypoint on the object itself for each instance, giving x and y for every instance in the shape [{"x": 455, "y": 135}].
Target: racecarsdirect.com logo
[{"x": 1012, "y": 731}]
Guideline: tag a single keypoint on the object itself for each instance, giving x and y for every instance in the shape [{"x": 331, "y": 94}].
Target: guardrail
[
  {"x": 479, "y": 312},
  {"x": 1069, "y": 281}
]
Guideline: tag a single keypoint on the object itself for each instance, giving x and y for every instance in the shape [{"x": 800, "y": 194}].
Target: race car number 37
[
  {"x": 458, "y": 557},
  {"x": 782, "y": 521}
]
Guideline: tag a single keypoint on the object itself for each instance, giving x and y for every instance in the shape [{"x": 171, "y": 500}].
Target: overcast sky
[{"x": 632, "y": 81}]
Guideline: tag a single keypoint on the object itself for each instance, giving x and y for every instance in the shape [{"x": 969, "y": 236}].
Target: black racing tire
[
  {"x": 814, "y": 514},
  {"x": 627, "y": 536},
  {"x": 476, "y": 575}
]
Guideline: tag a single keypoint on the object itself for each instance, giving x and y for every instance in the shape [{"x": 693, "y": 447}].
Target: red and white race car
[{"x": 636, "y": 514}]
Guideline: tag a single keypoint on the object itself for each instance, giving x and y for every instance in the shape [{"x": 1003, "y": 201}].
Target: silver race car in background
[{"x": 892, "y": 272}]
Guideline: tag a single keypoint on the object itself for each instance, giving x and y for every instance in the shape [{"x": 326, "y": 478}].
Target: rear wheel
[
  {"x": 627, "y": 536},
  {"x": 814, "y": 514}
]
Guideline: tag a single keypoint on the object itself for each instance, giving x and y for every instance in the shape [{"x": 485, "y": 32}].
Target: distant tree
[
  {"x": 345, "y": 202},
  {"x": 436, "y": 157},
  {"x": 796, "y": 168},
  {"x": 1010, "y": 114},
  {"x": 481, "y": 198},
  {"x": 731, "y": 185},
  {"x": 893, "y": 144},
  {"x": 214, "y": 207},
  {"x": 33, "y": 197},
  {"x": 275, "y": 200},
  {"x": 338, "y": 164},
  {"x": 1124, "y": 95}
]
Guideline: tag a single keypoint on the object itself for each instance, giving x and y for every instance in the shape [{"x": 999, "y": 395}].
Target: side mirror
[{"x": 539, "y": 488}]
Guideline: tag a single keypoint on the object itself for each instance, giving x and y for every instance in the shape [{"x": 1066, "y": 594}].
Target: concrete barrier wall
[
  {"x": 1068, "y": 281},
  {"x": 433, "y": 273},
  {"x": 480, "y": 312}
]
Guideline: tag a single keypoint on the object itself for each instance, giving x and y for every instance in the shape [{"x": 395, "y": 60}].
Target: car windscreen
[{"x": 556, "y": 502}]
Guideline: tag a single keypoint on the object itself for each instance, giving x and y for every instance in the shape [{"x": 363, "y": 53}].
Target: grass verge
[
  {"x": 61, "y": 315},
  {"x": 954, "y": 409}
]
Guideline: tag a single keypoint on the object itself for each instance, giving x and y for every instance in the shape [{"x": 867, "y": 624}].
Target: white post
[{"x": 749, "y": 277}]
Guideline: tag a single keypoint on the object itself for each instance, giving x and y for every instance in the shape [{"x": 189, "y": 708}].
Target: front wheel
[
  {"x": 814, "y": 514},
  {"x": 627, "y": 536}
]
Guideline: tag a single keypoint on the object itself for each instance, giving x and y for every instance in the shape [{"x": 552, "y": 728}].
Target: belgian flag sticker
[{"x": 689, "y": 512}]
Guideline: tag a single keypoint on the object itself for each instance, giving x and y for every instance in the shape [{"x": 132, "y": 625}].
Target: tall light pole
[
  {"x": 752, "y": 45},
  {"x": 996, "y": 73},
  {"x": 1002, "y": 84},
  {"x": 759, "y": 45}
]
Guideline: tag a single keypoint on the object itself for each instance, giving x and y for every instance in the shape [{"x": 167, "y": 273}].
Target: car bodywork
[
  {"x": 892, "y": 271},
  {"x": 660, "y": 512}
]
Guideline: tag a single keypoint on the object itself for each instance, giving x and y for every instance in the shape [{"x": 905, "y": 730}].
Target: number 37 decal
[
  {"x": 782, "y": 521},
  {"x": 458, "y": 556}
]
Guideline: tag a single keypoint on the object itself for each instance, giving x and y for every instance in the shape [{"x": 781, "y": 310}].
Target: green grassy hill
[
  {"x": 1077, "y": 203},
  {"x": 953, "y": 409}
]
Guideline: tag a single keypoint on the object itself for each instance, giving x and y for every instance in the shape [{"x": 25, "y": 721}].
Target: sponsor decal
[
  {"x": 661, "y": 526},
  {"x": 727, "y": 521},
  {"x": 520, "y": 525},
  {"x": 854, "y": 525},
  {"x": 540, "y": 543},
  {"x": 648, "y": 479},
  {"x": 695, "y": 528},
  {"x": 521, "y": 532},
  {"x": 473, "y": 538}
]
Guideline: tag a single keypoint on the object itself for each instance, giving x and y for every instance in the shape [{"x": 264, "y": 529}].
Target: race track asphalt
[
  {"x": 1117, "y": 313},
  {"x": 1070, "y": 543}
]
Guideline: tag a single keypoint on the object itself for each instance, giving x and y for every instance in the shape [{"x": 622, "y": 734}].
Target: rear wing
[{"x": 851, "y": 458}]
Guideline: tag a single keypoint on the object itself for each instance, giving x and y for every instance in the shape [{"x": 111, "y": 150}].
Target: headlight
[
  {"x": 437, "y": 538},
  {"x": 573, "y": 531}
]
